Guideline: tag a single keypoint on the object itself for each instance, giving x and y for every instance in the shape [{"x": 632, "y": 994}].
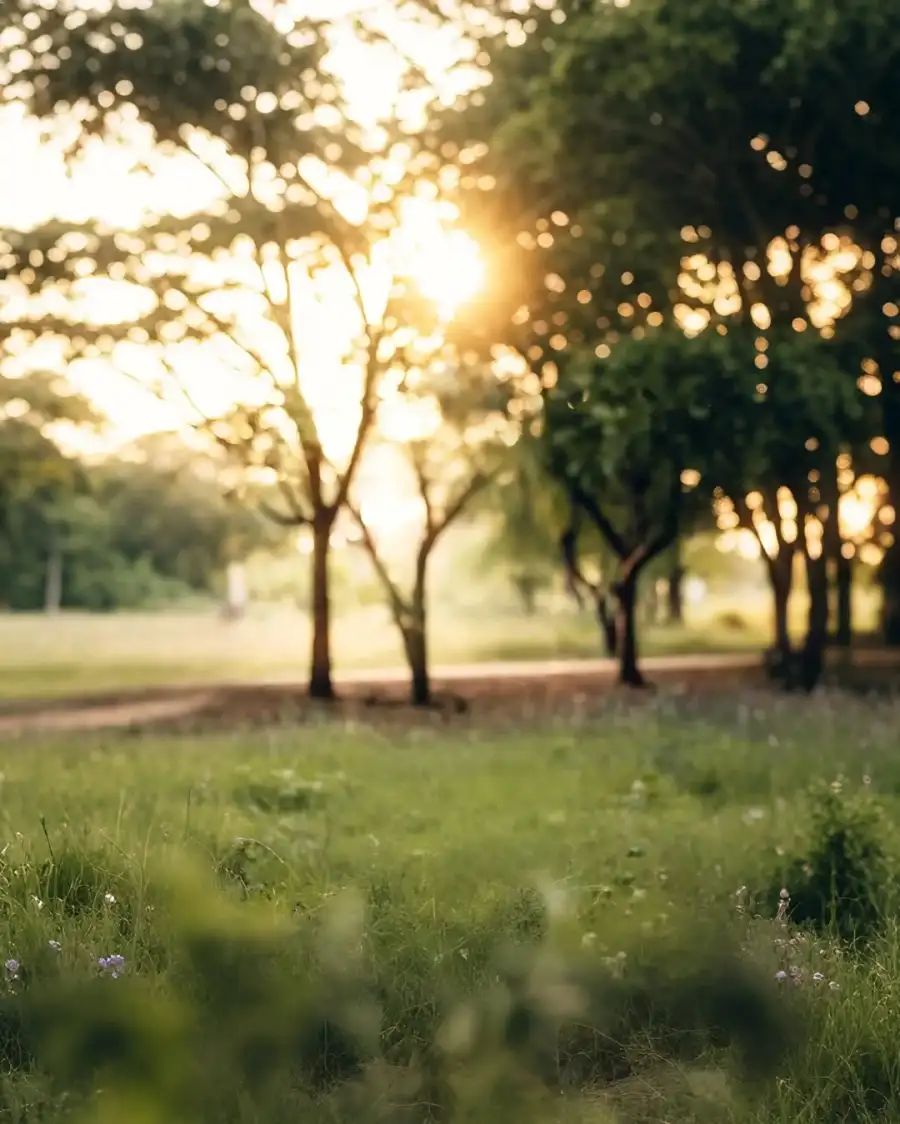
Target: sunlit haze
[{"x": 443, "y": 262}]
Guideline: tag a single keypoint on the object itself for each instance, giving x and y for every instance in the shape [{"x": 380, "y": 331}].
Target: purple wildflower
[
  {"x": 12, "y": 969},
  {"x": 114, "y": 964}
]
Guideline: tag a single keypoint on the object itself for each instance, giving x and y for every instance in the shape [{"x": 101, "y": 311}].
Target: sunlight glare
[{"x": 445, "y": 263}]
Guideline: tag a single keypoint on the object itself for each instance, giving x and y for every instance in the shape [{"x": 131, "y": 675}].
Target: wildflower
[
  {"x": 109, "y": 898},
  {"x": 784, "y": 900},
  {"x": 12, "y": 969},
  {"x": 55, "y": 946},
  {"x": 38, "y": 904},
  {"x": 818, "y": 977},
  {"x": 834, "y": 986},
  {"x": 781, "y": 976},
  {"x": 114, "y": 965}
]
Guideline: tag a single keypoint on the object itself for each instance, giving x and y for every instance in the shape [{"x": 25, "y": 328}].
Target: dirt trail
[
  {"x": 132, "y": 712},
  {"x": 505, "y": 683}
]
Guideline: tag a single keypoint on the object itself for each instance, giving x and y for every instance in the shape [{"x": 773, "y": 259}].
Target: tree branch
[
  {"x": 575, "y": 577},
  {"x": 589, "y": 505},
  {"x": 366, "y": 421},
  {"x": 279, "y": 517},
  {"x": 477, "y": 484},
  {"x": 399, "y": 608}
]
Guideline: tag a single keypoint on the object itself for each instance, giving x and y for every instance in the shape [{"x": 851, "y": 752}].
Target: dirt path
[
  {"x": 510, "y": 683},
  {"x": 132, "y": 712}
]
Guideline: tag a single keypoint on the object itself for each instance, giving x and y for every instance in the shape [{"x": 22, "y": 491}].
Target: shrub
[{"x": 841, "y": 883}]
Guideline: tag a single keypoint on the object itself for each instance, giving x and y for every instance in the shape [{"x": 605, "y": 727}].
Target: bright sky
[{"x": 443, "y": 262}]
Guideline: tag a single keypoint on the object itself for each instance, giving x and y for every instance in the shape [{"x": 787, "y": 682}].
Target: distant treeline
[{"x": 119, "y": 533}]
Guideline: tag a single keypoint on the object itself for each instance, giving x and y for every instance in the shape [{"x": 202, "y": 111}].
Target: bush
[{"x": 841, "y": 883}]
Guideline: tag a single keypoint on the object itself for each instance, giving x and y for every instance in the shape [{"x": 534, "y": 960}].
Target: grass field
[
  {"x": 76, "y": 653},
  {"x": 332, "y": 923}
]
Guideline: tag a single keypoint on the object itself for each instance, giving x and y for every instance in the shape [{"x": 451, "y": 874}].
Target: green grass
[
  {"x": 73, "y": 654},
  {"x": 543, "y": 927}
]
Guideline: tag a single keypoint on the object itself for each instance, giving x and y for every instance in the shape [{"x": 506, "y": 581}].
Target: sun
[
  {"x": 452, "y": 274},
  {"x": 443, "y": 261}
]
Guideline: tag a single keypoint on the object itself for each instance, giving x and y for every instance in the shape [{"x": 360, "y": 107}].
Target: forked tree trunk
[
  {"x": 320, "y": 682},
  {"x": 626, "y": 630}
]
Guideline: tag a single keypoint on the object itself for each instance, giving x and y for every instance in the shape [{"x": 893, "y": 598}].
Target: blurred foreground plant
[{"x": 264, "y": 1020}]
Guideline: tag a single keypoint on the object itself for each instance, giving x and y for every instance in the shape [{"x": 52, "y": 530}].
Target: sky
[{"x": 104, "y": 186}]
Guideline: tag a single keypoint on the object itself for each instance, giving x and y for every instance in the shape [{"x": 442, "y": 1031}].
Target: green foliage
[
  {"x": 528, "y": 517},
  {"x": 623, "y": 431},
  {"x": 841, "y": 883},
  {"x": 177, "y": 521},
  {"x": 129, "y": 534}
]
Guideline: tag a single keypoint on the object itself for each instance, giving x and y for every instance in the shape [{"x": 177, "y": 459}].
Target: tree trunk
[
  {"x": 526, "y": 587},
  {"x": 649, "y": 604},
  {"x": 889, "y": 574},
  {"x": 415, "y": 632},
  {"x": 781, "y": 577},
  {"x": 606, "y": 616},
  {"x": 320, "y": 683},
  {"x": 840, "y": 569},
  {"x": 53, "y": 583},
  {"x": 889, "y": 571},
  {"x": 812, "y": 661},
  {"x": 416, "y": 645},
  {"x": 626, "y": 591},
  {"x": 781, "y": 591},
  {"x": 675, "y": 593},
  {"x": 843, "y": 633}
]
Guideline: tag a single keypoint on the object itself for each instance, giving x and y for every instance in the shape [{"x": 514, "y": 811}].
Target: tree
[
  {"x": 298, "y": 195},
  {"x": 527, "y": 513},
  {"x": 636, "y": 439},
  {"x": 460, "y": 452},
  {"x": 783, "y": 488},
  {"x": 745, "y": 175},
  {"x": 176, "y": 520},
  {"x": 44, "y": 500}
]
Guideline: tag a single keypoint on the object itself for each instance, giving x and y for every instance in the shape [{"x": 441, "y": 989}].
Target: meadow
[
  {"x": 573, "y": 922},
  {"x": 75, "y": 653}
]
